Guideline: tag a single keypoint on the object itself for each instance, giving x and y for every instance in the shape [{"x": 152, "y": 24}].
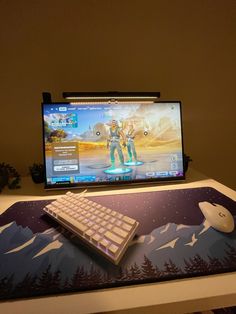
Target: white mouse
[{"x": 217, "y": 216}]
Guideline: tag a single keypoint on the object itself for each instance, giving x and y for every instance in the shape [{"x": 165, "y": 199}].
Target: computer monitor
[{"x": 112, "y": 142}]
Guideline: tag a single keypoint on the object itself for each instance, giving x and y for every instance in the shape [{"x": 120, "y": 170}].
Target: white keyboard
[{"x": 107, "y": 231}]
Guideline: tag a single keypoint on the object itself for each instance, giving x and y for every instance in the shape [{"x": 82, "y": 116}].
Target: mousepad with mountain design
[{"x": 39, "y": 257}]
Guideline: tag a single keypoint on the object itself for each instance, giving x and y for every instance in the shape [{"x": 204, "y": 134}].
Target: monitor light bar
[
  {"x": 112, "y": 96},
  {"x": 111, "y": 101}
]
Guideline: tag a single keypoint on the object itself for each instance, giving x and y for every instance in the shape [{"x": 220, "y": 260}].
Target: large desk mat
[{"x": 39, "y": 257}]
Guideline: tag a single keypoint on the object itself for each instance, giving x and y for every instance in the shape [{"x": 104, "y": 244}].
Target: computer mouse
[{"x": 217, "y": 216}]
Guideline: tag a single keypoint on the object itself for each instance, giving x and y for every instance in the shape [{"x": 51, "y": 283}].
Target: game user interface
[{"x": 101, "y": 143}]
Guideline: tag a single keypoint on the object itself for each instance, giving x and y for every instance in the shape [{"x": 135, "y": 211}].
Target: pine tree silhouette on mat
[{"x": 148, "y": 270}]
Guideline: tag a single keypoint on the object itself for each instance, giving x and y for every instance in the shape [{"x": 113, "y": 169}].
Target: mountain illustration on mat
[
  {"x": 180, "y": 243},
  {"x": 32, "y": 253},
  {"x": 23, "y": 252}
]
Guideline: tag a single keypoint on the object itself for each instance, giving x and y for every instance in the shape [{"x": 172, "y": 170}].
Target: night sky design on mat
[{"x": 40, "y": 257}]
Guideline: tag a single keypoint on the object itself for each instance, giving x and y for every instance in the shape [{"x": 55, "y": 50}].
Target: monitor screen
[{"x": 106, "y": 143}]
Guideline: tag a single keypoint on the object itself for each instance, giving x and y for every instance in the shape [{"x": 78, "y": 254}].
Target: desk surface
[{"x": 178, "y": 296}]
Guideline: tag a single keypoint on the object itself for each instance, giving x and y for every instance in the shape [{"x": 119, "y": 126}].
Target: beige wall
[{"x": 186, "y": 49}]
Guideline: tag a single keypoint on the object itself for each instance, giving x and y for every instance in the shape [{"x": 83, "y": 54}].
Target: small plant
[
  {"x": 9, "y": 176},
  {"x": 37, "y": 173}
]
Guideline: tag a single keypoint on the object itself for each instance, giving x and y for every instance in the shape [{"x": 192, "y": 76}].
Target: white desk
[{"x": 177, "y": 296}]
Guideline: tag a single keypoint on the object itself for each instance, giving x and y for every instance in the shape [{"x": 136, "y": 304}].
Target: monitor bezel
[{"x": 121, "y": 183}]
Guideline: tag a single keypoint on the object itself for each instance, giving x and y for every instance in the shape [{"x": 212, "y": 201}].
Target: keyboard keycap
[
  {"x": 104, "y": 243},
  {"x": 120, "y": 232},
  {"x": 114, "y": 238},
  {"x": 113, "y": 249},
  {"x": 129, "y": 220}
]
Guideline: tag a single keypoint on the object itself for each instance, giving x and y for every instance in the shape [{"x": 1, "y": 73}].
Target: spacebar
[{"x": 71, "y": 222}]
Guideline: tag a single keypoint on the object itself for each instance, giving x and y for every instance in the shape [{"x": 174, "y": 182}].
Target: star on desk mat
[{"x": 39, "y": 257}]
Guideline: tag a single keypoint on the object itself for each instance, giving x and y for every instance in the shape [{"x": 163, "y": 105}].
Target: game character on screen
[
  {"x": 130, "y": 136},
  {"x": 113, "y": 143}
]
